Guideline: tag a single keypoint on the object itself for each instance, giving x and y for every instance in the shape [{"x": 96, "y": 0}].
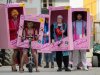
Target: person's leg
[
  {"x": 0, "y": 58},
  {"x": 47, "y": 58},
  {"x": 0, "y": 64},
  {"x": 79, "y": 65},
  {"x": 83, "y": 59},
  {"x": 59, "y": 60},
  {"x": 52, "y": 59},
  {"x": 70, "y": 58},
  {"x": 39, "y": 59},
  {"x": 75, "y": 59},
  {"x": 14, "y": 60},
  {"x": 35, "y": 56},
  {"x": 66, "y": 63},
  {"x": 18, "y": 56},
  {"x": 22, "y": 59}
]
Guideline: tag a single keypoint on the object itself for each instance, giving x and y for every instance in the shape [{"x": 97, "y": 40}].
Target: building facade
[{"x": 40, "y": 6}]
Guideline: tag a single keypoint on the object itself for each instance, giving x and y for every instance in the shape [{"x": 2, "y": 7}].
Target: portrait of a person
[
  {"x": 58, "y": 29},
  {"x": 13, "y": 28},
  {"x": 14, "y": 24},
  {"x": 79, "y": 27},
  {"x": 30, "y": 30},
  {"x": 79, "y": 31},
  {"x": 58, "y": 32},
  {"x": 45, "y": 36}
]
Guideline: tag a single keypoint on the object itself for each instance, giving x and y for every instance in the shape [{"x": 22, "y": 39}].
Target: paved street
[{"x": 7, "y": 71}]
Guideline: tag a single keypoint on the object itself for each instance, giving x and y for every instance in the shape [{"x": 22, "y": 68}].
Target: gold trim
[
  {"x": 41, "y": 20},
  {"x": 22, "y": 5},
  {"x": 87, "y": 9},
  {"x": 67, "y": 7}
]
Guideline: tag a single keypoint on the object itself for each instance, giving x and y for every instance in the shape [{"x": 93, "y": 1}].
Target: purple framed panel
[
  {"x": 81, "y": 42},
  {"x": 65, "y": 42},
  {"x": 37, "y": 29},
  {"x": 45, "y": 47},
  {"x": 6, "y": 41}
]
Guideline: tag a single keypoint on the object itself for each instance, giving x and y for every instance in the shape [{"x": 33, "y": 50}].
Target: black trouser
[
  {"x": 18, "y": 55},
  {"x": 60, "y": 58},
  {"x": 39, "y": 58}
]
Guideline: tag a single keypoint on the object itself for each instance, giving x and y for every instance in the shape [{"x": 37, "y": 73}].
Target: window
[
  {"x": 21, "y": 1},
  {"x": 9, "y": 1},
  {"x": 46, "y": 3}
]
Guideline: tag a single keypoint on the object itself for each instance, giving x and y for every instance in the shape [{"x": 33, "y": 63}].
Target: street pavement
[{"x": 6, "y": 70}]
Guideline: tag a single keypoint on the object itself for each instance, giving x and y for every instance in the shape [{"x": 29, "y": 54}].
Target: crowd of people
[{"x": 78, "y": 57}]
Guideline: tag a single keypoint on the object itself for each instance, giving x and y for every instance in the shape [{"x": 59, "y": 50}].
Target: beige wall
[
  {"x": 98, "y": 9},
  {"x": 61, "y": 3},
  {"x": 31, "y": 11},
  {"x": 76, "y": 3}
]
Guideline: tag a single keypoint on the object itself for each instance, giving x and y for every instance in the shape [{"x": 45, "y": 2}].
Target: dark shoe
[
  {"x": 63, "y": 68},
  {"x": 0, "y": 64},
  {"x": 59, "y": 69},
  {"x": 21, "y": 70},
  {"x": 79, "y": 68},
  {"x": 37, "y": 70},
  {"x": 52, "y": 65},
  {"x": 14, "y": 70},
  {"x": 40, "y": 65},
  {"x": 47, "y": 65},
  {"x": 67, "y": 69}
]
